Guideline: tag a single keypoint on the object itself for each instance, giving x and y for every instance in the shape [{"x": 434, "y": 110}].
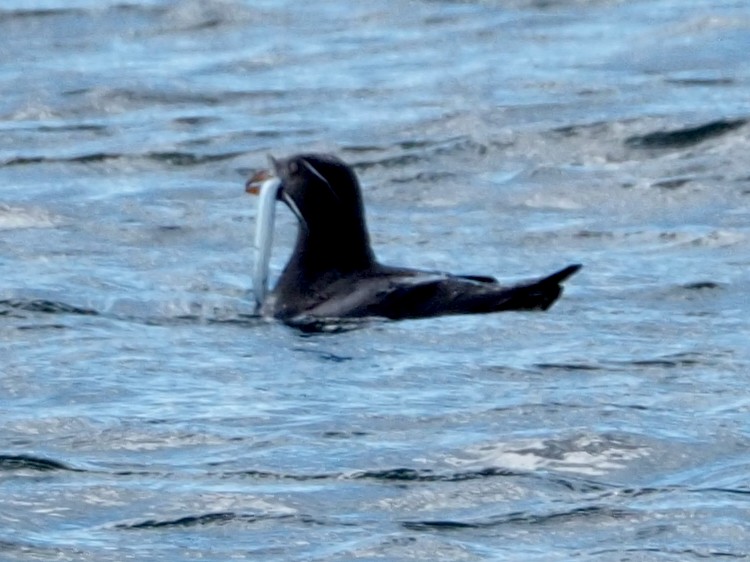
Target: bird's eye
[{"x": 293, "y": 167}]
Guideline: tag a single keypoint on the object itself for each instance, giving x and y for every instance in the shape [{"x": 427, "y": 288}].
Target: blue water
[{"x": 147, "y": 414}]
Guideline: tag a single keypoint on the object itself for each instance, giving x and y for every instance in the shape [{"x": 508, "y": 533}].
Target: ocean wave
[
  {"x": 204, "y": 519},
  {"x": 31, "y": 13},
  {"x": 30, "y": 462},
  {"x": 588, "y": 455},
  {"x": 697, "y": 236},
  {"x": 44, "y": 306},
  {"x": 522, "y": 517},
  {"x": 394, "y": 474},
  {"x": 687, "y": 136},
  {"x": 171, "y": 158}
]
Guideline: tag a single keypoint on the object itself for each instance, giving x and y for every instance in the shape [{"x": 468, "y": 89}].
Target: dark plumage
[{"x": 333, "y": 273}]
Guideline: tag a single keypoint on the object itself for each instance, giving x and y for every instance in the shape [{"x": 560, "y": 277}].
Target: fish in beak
[{"x": 267, "y": 187}]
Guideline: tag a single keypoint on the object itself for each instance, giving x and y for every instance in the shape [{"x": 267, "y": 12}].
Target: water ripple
[
  {"x": 202, "y": 520},
  {"x": 45, "y": 306},
  {"x": 524, "y": 518},
  {"x": 29, "y": 462},
  {"x": 688, "y": 136}
]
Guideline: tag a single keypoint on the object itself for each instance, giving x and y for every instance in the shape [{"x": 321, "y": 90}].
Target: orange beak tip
[{"x": 252, "y": 186}]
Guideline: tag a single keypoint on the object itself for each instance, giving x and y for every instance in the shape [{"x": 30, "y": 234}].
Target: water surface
[{"x": 148, "y": 414}]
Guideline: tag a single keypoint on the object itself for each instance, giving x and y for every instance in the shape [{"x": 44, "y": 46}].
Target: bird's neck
[{"x": 330, "y": 251}]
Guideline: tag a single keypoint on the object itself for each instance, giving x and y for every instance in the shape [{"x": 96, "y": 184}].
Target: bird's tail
[
  {"x": 561, "y": 275},
  {"x": 539, "y": 294}
]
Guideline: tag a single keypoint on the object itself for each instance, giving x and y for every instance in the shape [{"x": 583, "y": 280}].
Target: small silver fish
[{"x": 268, "y": 193}]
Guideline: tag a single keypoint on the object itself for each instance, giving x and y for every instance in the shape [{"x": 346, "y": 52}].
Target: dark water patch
[
  {"x": 568, "y": 366},
  {"x": 84, "y": 127},
  {"x": 701, "y": 81},
  {"x": 148, "y": 97},
  {"x": 439, "y": 525},
  {"x": 522, "y": 518},
  {"x": 344, "y": 434},
  {"x": 410, "y": 152},
  {"x": 684, "y": 359},
  {"x": 64, "y": 128},
  {"x": 701, "y": 285},
  {"x": 665, "y": 553},
  {"x": 393, "y": 475},
  {"x": 361, "y": 148},
  {"x": 667, "y": 362},
  {"x": 426, "y": 177},
  {"x": 645, "y": 491},
  {"x": 671, "y": 183},
  {"x": 689, "y": 136},
  {"x": 190, "y": 159},
  {"x": 595, "y": 234},
  {"x": 192, "y": 121},
  {"x": 416, "y": 144},
  {"x": 120, "y": 7},
  {"x": 401, "y": 476},
  {"x": 220, "y": 518},
  {"x": 247, "y": 320},
  {"x": 490, "y": 472},
  {"x": 397, "y": 474},
  {"x": 92, "y": 158},
  {"x": 325, "y": 355},
  {"x": 333, "y": 358},
  {"x": 207, "y": 23},
  {"x": 427, "y": 475},
  {"x": 95, "y": 157},
  {"x": 172, "y": 158},
  {"x": 20, "y": 14},
  {"x": 732, "y": 491},
  {"x": 397, "y": 161},
  {"x": 37, "y": 326},
  {"x": 691, "y": 291},
  {"x": 29, "y": 462},
  {"x": 267, "y": 475},
  {"x": 598, "y": 128},
  {"x": 22, "y": 160},
  {"x": 46, "y": 306},
  {"x": 580, "y": 485}
]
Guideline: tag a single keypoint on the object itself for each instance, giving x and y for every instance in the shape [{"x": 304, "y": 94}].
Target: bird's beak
[
  {"x": 269, "y": 188},
  {"x": 253, "y": 185}
]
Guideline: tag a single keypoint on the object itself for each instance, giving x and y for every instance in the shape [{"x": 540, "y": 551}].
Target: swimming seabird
[{"x": 333, "y": 273}]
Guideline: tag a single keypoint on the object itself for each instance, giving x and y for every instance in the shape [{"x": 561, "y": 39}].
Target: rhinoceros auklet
[{"x": 332, "y": 272}]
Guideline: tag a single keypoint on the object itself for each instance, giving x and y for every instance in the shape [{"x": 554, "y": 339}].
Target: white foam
[
  {"x": 19, "y": 217},
  {"x": 586, "y": 455}
]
